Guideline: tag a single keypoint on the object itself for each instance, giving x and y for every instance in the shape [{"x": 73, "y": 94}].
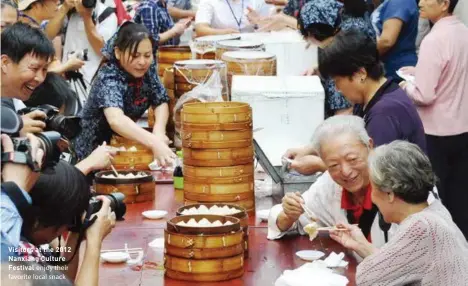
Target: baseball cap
[{"x": 23, "y": 4}]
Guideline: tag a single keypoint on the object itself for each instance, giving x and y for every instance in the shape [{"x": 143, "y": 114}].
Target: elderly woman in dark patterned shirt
[{"x": 123, "y": 89}]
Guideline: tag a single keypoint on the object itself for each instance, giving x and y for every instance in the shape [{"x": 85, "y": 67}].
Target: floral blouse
[{"x": 114, "y": 87}]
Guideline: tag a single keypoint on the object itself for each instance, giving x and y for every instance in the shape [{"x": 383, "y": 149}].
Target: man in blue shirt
[{"x": 24, "y": 178}]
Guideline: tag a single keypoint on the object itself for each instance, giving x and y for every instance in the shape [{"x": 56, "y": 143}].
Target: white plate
[
  {"x": 407, "y": 77},
  {"x": 310, "y": 255},
  {"x": 115, "y": 257},
  {"x": 263, "y": 214},
  {"x": 157, "y": 243},
  {"x": 154, "y": 214}
]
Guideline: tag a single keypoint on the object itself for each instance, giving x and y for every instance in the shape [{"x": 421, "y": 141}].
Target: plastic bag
[{"x": 205, "y": 91}]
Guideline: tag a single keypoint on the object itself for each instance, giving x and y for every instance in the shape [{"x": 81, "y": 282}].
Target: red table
[{"x": 267, "y": 259}]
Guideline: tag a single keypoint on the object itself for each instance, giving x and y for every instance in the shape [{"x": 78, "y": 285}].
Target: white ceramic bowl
[
  {"x": 154, "y": 214},
  {"x": 115, "y": 257},
  {"x": 310, "y": 255}
]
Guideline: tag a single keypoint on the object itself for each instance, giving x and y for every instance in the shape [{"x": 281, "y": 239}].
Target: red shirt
[{"x": 348, "y": 204}]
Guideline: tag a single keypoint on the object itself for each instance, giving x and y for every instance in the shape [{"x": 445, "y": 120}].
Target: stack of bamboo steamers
[{"x": 218, "y": 154}]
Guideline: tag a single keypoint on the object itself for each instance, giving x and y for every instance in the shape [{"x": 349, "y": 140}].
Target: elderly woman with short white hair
[{"x": 428, "y": 248}]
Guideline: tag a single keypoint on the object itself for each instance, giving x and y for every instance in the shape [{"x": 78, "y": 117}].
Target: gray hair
[
  {"x": 337, "y": 125},
  {"x": 403, "y": 168}
]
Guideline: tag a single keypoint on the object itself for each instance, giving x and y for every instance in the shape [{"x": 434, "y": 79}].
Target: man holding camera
[{"x": 97, "y": 20}]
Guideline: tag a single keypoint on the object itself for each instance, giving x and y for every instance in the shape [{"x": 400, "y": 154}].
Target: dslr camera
[
  {"x": 117, "y": 205},
  {"x": 82, "y": 55},
  {"x": 89, "y": 3},
  {"x": 68, "y": 126}
]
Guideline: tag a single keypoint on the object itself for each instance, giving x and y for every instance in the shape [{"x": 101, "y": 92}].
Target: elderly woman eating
[
  {"x": 341, "y": 194},
  {"x": 427, "y": 248}
]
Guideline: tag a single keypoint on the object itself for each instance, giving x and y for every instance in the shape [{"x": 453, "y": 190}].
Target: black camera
[
  {"x": 117, "y": 205},
  {"x": 89, "y": 3},
  {"x": 51, "y": 143},
  {"x": 68, "y": 126}
]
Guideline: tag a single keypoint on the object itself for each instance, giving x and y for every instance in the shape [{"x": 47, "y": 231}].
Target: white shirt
[
  {"x": 218, "y": 15},
  {"x": 76, "y": 39}
]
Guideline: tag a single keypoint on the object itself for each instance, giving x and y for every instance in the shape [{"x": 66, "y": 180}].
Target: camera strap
[{"x": 20, "y": 158}]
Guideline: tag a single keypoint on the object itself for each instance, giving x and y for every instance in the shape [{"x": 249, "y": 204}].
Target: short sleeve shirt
[
  {"x": 403, "y": 53},
  {"x": 225, "y": 14},
  {"x": 113, "y": 87},
  {"x": 154, "y": 16},
  {"x": 391, "y": 115}
]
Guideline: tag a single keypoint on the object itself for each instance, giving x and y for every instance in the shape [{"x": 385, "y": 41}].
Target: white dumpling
[
  {"x": 228, "y": 223},
  {"x": 185, "y": 212},
  {"x": 214, "y": 210},
  {"x": 132, "y": 149},
  {"x": 122, "y": 148},
  {"x": 203, "y": 210},
  {"x": 234, "y": 211},
  {"x": 217, "y": 223},
  {"x": 130, "y": 176},
  {"x": 193, "y": 211},
  {"x": 225, "y": 208},
  {"x": 204, "y": 222},
  {"x": 192, "y": 222},
  {"x": 182, "y": 223}
]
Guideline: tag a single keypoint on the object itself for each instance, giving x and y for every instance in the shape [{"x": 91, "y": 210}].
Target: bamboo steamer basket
[
  {"x": 218, "y": 157},
  {"x": 217, "y": 139},
  {"x": 135, "y": 189},
  {"x": 205, "y": 47},
  {"x": 190, "y": 73},
  {"x": 205, "y": 174},
  {"x": 205, "y": 277},
  {"x": 249, "y": 63},
  {"x": 168, "y": 55},
  {"x": 203, "y": 253},
  {"x": 217, "y": 126},
  {"x": 241, "y": 215},
  {"x": 131, "y": 160},
  {"x": 218, "y": 189},
  {"x": 237, "y": 45},
  {"x": 247, "y": 204},
  {"x": 216, "y": 113}
]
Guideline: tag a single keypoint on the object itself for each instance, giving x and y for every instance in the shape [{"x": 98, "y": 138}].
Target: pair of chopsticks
[
  {"x": 129, "y": 250},
  {"x": 332, "y": 228}
]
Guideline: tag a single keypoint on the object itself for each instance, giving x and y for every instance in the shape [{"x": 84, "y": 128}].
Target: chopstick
[
  {"x": 130, "y": 250},
  {"x": 115, "y": 171},
  {"x": 308, "y": 212},
  {"x": 330, "y": 228}
]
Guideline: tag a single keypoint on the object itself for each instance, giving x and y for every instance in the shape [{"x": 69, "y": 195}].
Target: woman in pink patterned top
[
  {"x": 440, "y": 91},
  {"x": 428, "y": 248}
]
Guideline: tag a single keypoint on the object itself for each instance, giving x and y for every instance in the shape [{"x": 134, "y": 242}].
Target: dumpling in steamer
[
  {"x": 312, "y": 230},
  {"x": 204, "y": 222},
  {"x": 203, "y": 210},
  {"x": 228, "y": 223},
  {"x": 217, "y": 223},
  {"x": 182, "y": 223},
  {"x": 192, "y": 222}
]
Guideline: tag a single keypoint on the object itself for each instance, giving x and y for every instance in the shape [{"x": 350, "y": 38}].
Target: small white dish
[
  {"x": 263, "y": 215},
  {"x": 310, "y": 255},
  {"x": 154, "y": 214},
  {"x": 157, "y": 243},
  {"x": 115, "y": 257}
]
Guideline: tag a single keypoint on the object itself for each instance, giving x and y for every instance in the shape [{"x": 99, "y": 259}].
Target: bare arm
[
  {"x": 161, "y": 115},
  {"x": 126, "y": 127},
  {"x": 96, "y": 40},
  {"x": 204, "y": 29},
  {"x": 55, "y": 24},
  {"x": 390, "y": 32},
  {"x": 180, "y": 14}
]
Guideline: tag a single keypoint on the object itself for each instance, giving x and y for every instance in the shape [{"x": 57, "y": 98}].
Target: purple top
[{"x": 391, "y": 115}]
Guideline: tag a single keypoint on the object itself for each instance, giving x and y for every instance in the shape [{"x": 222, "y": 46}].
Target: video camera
[{"x": 68, "y": 126}]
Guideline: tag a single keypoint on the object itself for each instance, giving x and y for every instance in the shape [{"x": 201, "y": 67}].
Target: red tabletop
[{"x": 267, "y": 259}]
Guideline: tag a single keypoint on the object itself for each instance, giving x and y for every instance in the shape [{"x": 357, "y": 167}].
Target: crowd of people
[{"x": 393, "y": 148}]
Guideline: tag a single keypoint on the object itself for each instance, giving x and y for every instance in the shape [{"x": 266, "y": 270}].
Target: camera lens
[
  {"x": 68, "y": 126},
  {"x": 49, "y": 140},
  {"x": 117, "y": 205}
]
